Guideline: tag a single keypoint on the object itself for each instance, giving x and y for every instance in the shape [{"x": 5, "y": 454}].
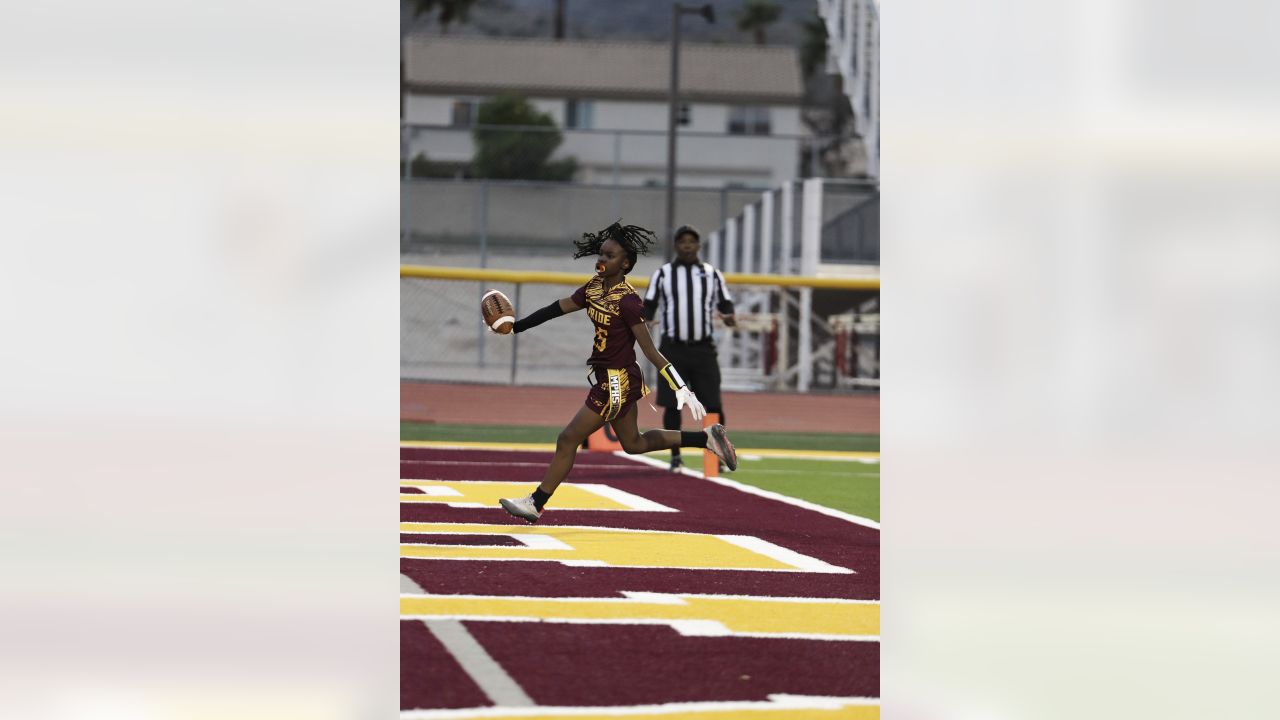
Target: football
[{"x": 498, "y": 312}]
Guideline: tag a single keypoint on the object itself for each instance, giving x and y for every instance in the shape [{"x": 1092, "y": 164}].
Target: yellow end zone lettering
[
  {"x": 615, "y": 547},
  {"x": 570, "y": 496},
  {"x": 688, "y": 614}
]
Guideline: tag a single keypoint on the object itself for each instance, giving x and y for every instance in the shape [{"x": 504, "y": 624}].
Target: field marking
[
  {"x": 810, "y": 473},
  {"x": 781, "y": 554},
  {"x": 655, "y": 598},
  {"x": 800, "y": 707},
  {"x": 579, "y": 462},
  {"x": 845, "y": 455},
  {"x": 471, "y": 445},
  {"x": 534, "y": 542},
  {"x": 592, "y": 563},
  {"x": 688, "y": 615},
  {"x": 601, "y": 547},
  {"x": 753, "y": 490},
  {"x": 436, "y": 490},
  {"x": 485, "y": 672},
  {"x": 486, "y": 493},
  {"x": 622, "y": 497},
  {"x": 684, "y": 628},
  {"x": 407, "y": 526}
]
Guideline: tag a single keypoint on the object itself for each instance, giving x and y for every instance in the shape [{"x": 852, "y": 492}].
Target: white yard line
[{"x": 501, "y": 688}]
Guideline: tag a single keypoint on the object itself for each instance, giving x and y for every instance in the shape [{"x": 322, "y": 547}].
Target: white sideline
[{"x": 752, "y": 490}]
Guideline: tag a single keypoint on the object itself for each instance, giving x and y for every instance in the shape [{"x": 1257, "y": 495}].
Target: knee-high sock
[{"x": 671, "y": 421}]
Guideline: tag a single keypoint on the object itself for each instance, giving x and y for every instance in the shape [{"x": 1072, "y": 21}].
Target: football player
[{"x": 617, "y": 313}]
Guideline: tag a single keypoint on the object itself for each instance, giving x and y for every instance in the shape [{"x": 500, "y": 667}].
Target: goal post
[{"x": 443, "y": 338}]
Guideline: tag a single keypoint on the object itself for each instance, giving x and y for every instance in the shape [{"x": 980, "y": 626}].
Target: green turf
[
  {"x": 849, "y": 486},
  {"x": 531, "y": 434}
]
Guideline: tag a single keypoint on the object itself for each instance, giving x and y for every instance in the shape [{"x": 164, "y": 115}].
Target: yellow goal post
[
  {"x": 788, "y": 337},
  {"x": 566, "y": 278}
]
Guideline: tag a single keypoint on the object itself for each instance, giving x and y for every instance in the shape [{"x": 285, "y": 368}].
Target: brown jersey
[{"x": 613, "y": 312}]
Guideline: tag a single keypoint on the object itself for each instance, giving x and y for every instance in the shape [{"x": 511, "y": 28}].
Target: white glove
[{"x": 685, "y": 396}]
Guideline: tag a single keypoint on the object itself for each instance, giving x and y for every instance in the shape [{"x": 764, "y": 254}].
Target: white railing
[
  {"x": 853, "y": 42},
  {"x": 769, "y": 236}
]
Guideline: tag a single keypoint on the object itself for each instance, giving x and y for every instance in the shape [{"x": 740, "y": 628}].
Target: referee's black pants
[{"x": 699, "y": 365}]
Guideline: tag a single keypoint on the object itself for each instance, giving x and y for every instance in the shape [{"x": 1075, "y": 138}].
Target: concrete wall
[
  {"x": 531, "y": 216},
  {"x": 428, "y": 109}
]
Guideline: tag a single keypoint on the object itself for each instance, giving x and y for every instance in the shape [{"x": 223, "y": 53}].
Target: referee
[{"x": 687, "y": 289}]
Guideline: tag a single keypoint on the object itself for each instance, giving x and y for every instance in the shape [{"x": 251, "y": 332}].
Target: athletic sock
[
  {"x": 693, "y": 439},
  {"x": 540, "y": 498},
  {"x": 671, "y": 421}
]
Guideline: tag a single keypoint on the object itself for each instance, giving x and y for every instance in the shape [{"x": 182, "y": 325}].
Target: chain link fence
[{"x": 442, "y": 338}]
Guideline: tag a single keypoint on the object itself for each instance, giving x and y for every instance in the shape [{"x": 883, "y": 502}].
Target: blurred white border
[
  {"x": 1080, "y": 263},
  {"x": 200, "y": 320}
]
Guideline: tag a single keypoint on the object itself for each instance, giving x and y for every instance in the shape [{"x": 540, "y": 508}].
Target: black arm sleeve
[
  {"x": 650, "y": 309},
  {"x": 539, "y": 316},
  {"x": 724, "y": 306}
]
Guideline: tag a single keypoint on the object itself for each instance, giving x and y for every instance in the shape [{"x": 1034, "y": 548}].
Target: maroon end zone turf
[
  {"x": 566, "y": 664},
  {"x": 429, "y": 676},
  {"x": 704, "y": 507},
  {"x": 618, "y": 664}
]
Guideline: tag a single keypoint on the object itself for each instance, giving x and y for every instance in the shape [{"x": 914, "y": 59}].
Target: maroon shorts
[{"x": 613, "y": 391}]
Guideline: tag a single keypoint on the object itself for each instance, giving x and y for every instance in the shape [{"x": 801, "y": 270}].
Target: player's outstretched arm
[
  {"x": 541, "y": 315},
  {"x": 645, "y": 340},
  {"x": 684, "y": 396}
]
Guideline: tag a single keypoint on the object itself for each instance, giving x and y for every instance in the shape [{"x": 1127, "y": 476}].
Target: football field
[{"x": 640, "y": 592}]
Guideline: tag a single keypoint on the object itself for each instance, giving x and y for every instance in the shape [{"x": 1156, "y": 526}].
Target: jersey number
[{"x": 602, "y": 336}]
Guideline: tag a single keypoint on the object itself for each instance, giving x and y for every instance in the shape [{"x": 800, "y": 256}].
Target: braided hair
[{"x": 634, "y": 240}]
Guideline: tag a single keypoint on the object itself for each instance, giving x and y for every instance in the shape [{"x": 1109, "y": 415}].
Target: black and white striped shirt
[{"x": 687, "y": 294}]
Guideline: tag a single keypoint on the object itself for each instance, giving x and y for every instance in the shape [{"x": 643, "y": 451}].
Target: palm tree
[
  {"x": 813, "y": 46},
  {"x": 450, "y": 10},
  {"x": 756, "y": 15}
]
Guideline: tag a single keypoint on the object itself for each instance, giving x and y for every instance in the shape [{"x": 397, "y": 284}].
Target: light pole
[{"x": 673, "y": 116}]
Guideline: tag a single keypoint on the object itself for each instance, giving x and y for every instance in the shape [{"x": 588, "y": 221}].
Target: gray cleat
[
  {"x": 718, "y": 443},
  {"x": 522, "y": 508}
]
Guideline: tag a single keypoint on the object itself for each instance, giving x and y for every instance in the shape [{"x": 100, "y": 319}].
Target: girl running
[{"x": 618, "y": 315}]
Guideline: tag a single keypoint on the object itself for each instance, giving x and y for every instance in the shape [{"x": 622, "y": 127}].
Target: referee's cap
[{"x": 688, "y": 229}]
